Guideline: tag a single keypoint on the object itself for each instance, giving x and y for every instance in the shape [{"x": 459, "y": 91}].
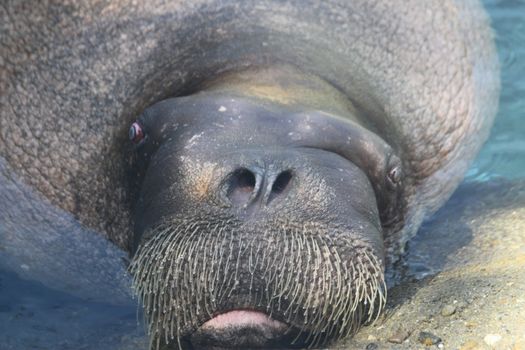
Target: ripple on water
[{"x": 504, "y": 153}]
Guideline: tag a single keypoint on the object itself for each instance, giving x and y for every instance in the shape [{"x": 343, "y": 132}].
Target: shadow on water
[
  {"x": 33, "y": 316},
  {"x": 450, "y": 229},
  {"x": 468, "y": 256},
  {"x": 445, "y": 242}
]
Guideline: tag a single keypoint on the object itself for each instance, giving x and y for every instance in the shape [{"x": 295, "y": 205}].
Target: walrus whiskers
[{"x": 182, "y": 279}]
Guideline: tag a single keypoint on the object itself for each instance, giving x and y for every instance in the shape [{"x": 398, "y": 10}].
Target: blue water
[
  {"x": 504, "y": 153},
  {"x": 35, "y": 317}
]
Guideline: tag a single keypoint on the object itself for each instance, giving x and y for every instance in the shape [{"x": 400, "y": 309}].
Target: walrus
[{"x": 261, "y": 162}]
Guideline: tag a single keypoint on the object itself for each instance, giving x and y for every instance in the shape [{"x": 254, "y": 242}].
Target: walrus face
[{"x": 253, "y": 228}]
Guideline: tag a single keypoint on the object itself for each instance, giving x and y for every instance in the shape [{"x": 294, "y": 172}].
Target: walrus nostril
[
  {"x": 241, "y": 186},
  {"x": 281, "y": 182}
]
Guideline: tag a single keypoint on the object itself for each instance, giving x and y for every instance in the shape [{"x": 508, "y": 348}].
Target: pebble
[
  {"x": 470, "y": 324},
  {"x": 372, "y": 346},
  {"x": 399, "y": 336},
  {"x": 470, "y": 345},
  {"x": 492, "y": 339},
  {"x": 428, "y": 339},
  {"x": 448, "y": 310}
]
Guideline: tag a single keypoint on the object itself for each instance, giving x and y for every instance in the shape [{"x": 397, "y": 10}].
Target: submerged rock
[
  {"x": 492, "y": 339},
  {"x": 427, "y": 338},
  {"x": 448, "y": 310},
  {"x": 399, "y": 336}
]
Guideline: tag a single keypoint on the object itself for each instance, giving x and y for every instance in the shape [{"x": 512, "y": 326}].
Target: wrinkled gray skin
[{"x": 422, "y": 77}]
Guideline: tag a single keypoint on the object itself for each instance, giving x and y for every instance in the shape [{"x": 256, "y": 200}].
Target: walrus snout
[{"x": 284, "y": 222}]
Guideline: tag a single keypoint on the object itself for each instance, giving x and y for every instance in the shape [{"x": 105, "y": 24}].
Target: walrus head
[{"x": 259, "y": 223}]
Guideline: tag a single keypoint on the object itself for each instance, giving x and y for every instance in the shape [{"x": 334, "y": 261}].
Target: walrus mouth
[
  {"x": 226, "y": 285},
  {"x": 240, "y": 329}
]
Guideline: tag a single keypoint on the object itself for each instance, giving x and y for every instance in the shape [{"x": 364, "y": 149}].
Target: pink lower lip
[{"x": 243, "y": 318}]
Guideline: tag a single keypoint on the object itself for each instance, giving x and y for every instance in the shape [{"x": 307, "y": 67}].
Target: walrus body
[{"x": 396, "y": 98}]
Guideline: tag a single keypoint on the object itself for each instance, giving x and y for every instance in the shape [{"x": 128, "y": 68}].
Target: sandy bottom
[{"x": 471, "y": 258}]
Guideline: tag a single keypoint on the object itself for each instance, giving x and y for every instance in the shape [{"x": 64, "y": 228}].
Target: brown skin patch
[
  {"x": 199, "y": 186},
  {"x": 286, "y": 85}
]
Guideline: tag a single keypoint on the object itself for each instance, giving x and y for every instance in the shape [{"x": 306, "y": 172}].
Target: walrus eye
[
  {"x": 394, "y": 175},
  {"x": 136, "y": 135}
]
